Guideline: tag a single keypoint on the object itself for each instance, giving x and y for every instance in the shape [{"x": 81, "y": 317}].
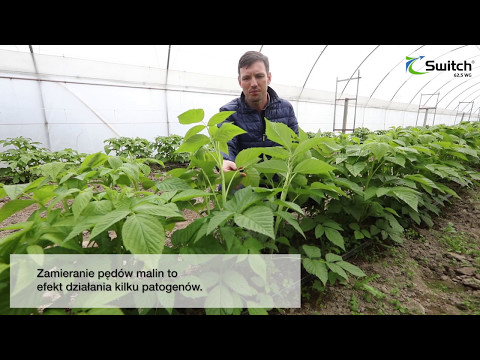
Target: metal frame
[
  {"x": 463, "y": 112},
  {"x": 345, "y": 109},
  {"x": 426, "y": 108}
]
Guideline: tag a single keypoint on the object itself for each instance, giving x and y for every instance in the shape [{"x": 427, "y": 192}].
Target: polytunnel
[{"x": 76, "y": 96}]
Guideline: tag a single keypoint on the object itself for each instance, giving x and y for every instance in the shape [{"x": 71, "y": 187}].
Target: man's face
[{"x": 254, "y": 81}]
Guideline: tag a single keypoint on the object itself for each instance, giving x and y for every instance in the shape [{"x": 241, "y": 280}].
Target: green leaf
[
  {"x": 356, "y": 168},
  {"x": 12, "y": 207},
  {"x": 337, "y": 270},
  {"x": 258, "y": 265},
  {"x": 91, "y": 161},
  {"x": 330, "y": 257},
  {"x": 313, "y": 166},
  {"x": 44, "y": 194},
  {"x": 408, "y": 195},
  {"x": 291, "y": 220},
  {"x": 312, "y": 251},
  {"x": 272, "y": 167},
  {"x": 218, "y": 218},
  {"x": 379, "y": 149},
  {"x": 238, "y": 283},
  {"x": 358, "y": 234},
  {"x": 307, "y": 145},
  {"x": 252, "y": 178},
  {"x": 446, "y": 189},
  {"x": 191, "y": 116},
  {"x": 34, "y": 249},
  {"x": 143, "y": 234},
  {"x": 349, "y": 185},
  {"x": 257, "y": 311},
  {"x": 319, "y": 231},
  {"x": 105, "y": 311},
  {"x": 106, "y": 221},
  {"x": 370, "y": 192},
  {"x": 227, "y": 132},
  {"x": 167, "y": 210},
  {"x": 423, "y": 180},
  {"x": 132, "y": 171},
  {"x": 14, "y": 191},
  {"x": 52, "y": 169},
  {"x": 316, "y": 267},
  {"x": 219, "y": 117},
  {"x": 242, "y": 199},
  {"x": 172, "y": 183},
  {"x": 258, "y": 218},
  {"x": 382, "y": 191},
  {"x": 335, "y": 237},
  {"x": 397, "y": 159},
  {"x": 186, "y": 235},
  {"x": 277, "y": 152},
  {"x": 189, "y": 194},
  {"x": 280, "y": 133},
  {"x": 193, "y": 143},
  {"x": 81, "y": 202},
  {"x": 291, "y": 205},
  {"x": 352, "y": 269},
  {"x": 328, "y": 187},
  {"x": 115, "y": 162},
  {"x": 192, "y": 131},
  {"x": 248, "y": 157},
  {"x": 331, "y": 224},
  {"x": 253, "y": 245}
]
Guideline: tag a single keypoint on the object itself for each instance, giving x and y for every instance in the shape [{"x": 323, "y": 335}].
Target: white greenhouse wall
[
  {"x": 84, "y": 102},
  {"x": 82, "y": 116}
]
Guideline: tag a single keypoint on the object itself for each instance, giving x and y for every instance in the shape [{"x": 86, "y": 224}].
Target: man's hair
[{"x": 250, "y": 57}]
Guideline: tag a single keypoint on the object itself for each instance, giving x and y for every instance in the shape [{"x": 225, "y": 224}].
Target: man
[{"x": 257, "y": 101}]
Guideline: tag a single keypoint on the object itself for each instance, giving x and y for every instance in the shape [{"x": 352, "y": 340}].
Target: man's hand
[{"x": 230, "y": 166}]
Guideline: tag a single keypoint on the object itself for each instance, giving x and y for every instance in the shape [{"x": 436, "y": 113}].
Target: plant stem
[{"x": 283, "y": 196}]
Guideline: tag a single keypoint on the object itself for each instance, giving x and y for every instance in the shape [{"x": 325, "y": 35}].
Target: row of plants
[
  {"x": 316, "y": 196},
  {"x": 161, "y": 148},
  {"x": 23, "y": 154}
]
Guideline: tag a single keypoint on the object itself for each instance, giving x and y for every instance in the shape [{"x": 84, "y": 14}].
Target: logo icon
[{"x": 410, "y": 63}]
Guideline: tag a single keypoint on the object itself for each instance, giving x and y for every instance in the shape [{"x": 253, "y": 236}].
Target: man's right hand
[{"x": 230, "y": 166}]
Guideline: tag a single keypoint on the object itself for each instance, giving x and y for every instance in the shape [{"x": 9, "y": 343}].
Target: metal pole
[
  {"x": 345, "y": 113},
  {"x": 435, "y": 112},
  {"x": 425, "y": 119},
  {"x": 335, "y": 103},
  {"x": 166, "y": 90},
  {"x": 356, "y": 100},
  {"x": 45, "y": 121}
]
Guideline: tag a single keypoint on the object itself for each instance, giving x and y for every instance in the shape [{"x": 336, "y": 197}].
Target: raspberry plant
[{"x": 316, "y": 195}]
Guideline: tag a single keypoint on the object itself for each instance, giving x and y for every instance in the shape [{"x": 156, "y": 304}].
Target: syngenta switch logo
[
  {"x": 460, "y": 69},
  {"x": 410, "y": 62}
]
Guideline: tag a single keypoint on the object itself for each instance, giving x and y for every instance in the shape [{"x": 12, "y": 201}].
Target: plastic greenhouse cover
[{"x": 78, "y": 95}]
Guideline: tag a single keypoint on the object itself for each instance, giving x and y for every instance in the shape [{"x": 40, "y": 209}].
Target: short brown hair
[{"x": 250, "y": 57}]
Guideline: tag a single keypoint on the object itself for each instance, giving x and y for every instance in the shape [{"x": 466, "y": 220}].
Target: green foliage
[
  {"x": 314, "y": 195},
  {"x": 123, "y": 146},
  {"x": 166, "y": 146},
  {"x": 24, "y": 155},
  {"x": 163, "y": 148}
]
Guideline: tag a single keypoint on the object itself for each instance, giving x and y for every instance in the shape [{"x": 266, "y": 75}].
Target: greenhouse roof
[
  {"x": 382, "y": 68},
  {"x": 116, "y": 82}
]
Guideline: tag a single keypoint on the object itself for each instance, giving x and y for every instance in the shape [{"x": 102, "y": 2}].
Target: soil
[{"x": 434, "y": 271}]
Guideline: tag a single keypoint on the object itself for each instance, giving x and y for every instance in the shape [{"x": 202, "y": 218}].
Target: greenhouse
[
  {"x": 76, "y": 96},
  {"x": 239, "y": 179}
]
